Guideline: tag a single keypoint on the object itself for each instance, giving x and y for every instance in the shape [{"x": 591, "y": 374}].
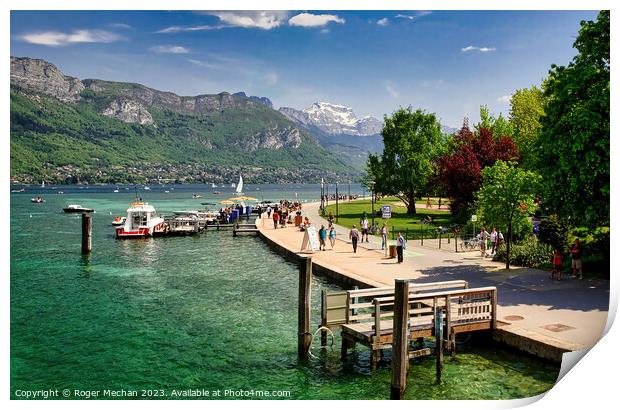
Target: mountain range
[{"x": 64, "y": 129}]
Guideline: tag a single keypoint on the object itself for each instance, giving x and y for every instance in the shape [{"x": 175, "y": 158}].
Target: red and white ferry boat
[{"x": 142, "y": 221}]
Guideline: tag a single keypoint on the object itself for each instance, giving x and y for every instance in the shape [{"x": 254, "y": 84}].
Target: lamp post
[
  {"x": 349, "y": 190},
  {"x": 372, "y": 202},
  {"x": 336, "y": 201},
  {"x": 322, "y": 197}
]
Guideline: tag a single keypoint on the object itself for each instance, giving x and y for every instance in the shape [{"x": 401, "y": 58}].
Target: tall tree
[
  {"x": 507, "y": 193},
  {"x": 411, "y": 143},
  {"x": 461, "y": 168},
  {"x": 498, "y": 126},
  {"x": 574, "y": 140},
  {"x": 526, "y": 110}
]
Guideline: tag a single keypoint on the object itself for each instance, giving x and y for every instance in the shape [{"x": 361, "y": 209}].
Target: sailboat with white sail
[{"x": 239, "y": 189}]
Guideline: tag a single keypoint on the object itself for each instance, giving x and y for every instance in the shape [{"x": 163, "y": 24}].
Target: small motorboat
[
  {"x": 196, "y": 196},
  {"x": 146, "y": 188},
  {"x": 37, "y": 200},
  {"x": 18, "y": 190},
  {"x": 142, "y": 221},
  {"x": 76, "y": 209},
  {"x": 166, "y": 191},
  {"x": 119, "y": 220},
  {"x": 115, "y": 191},
  {"x": 60, "y": 192},
  {"x": 216, "y": 192}
]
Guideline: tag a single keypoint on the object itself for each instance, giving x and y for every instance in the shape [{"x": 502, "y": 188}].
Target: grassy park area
[{"x": 350, "y": 212}]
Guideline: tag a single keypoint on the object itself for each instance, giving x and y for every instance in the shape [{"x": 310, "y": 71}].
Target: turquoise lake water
[{"x": 205, "y": 312}]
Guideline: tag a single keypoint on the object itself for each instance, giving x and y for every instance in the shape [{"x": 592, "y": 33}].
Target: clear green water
[{"x": 208, "y": 312}]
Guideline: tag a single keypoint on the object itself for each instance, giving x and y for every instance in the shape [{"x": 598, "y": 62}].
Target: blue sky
[{"x": 447, "y": 62}]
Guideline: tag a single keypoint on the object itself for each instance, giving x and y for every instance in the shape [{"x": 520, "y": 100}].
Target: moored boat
[
  {"x": 75, "y": 208},
  {"x": 142, "y": 221},
  {"x": 37, "y": 200}
]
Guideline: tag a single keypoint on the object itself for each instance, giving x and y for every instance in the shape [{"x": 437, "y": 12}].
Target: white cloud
[
  {"x": 404, "y": 16},
  {"x": 389, "y": 87},
  {"x": 120, "y": 25},
  {"x": 57, "y": 39},
  {"x": 170, "y": 49},
  {"x": 177, "y": 29},
  {"x": 383, "y": 22},
  {"x": 265, "y": 20},
  {"x": 504, "y": 99},
  {"x": 416, "y": 15},
  {"x": 204, "y": 64},
  {"x": 476, "y": 48},
  {"x": 314, "y": 20}
]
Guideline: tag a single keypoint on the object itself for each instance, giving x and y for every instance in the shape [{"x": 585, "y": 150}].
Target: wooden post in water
[
  {"x": 304, "y": 337},
  {"x": 323, "y": 317},
  {"x": 87, "y": 233},
  {"x": 438, "y": 341},
  {"x": 400, "y": 340}
]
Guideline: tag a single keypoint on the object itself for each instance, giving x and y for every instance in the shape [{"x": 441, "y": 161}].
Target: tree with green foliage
[
  {"x": 574, "y": 140},
  {"x": 498, "y": 126},
  {"x": 507, "y": 193},
  {"x": 526, "y": 110},
  {"x": 554, "y": 231},
  {"x": 412, "y": 141}
]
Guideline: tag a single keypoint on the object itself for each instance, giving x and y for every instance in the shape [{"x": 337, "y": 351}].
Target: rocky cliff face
[
  {"x": 129, "y": 111},
  {"x": 261, "y": 100},
  {"x": 45, "y": 78}
]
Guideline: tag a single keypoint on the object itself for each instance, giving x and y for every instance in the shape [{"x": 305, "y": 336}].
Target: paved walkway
[{"x": 570, "y": 313}]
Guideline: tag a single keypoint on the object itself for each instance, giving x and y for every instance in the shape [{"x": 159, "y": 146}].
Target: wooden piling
[
  {"x": 438, "y": 341},
  {"x": 304, "y": 337},
  {"x": 323, "y": 317},
  {"x": 87, "y": 233},
  {"x": 400, "y": 340}
]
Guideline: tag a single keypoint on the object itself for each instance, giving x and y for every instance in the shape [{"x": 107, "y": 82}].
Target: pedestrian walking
[
  {"x": 354, "y": 236},
  {"x": 322, "y": 238},
  {"x": 332, "y": 237},
  {"x": 494, "y": 238},
  {"x": 276, "y": 218},
  {"x": 330, "y": 219},
  {"x": 364, "y": 224},
  {"x": 384, "y": 237},
  {"x": 484, "y": 235},
  {"x": 269, "y": 210},
  {"x": 557, "y": 264},
  {"x": 400, "y": 245},
  {"x": 575, "y": 253}
]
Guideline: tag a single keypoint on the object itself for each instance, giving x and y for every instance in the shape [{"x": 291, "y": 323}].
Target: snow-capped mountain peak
[{"x": 334, "y": 119}]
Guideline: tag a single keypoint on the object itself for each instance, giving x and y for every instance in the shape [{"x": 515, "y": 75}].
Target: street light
[
  {"x": 372, "y": 202},
  {"x": 336, "y": 201}
]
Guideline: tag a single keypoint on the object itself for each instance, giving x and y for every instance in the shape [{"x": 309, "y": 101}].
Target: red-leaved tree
[{"x": 461, "y": 169}]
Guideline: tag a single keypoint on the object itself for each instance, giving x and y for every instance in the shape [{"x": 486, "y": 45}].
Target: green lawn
[{"x": 349, "y": 213}]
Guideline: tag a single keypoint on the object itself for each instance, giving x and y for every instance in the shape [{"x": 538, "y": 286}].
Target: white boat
[
  {"x": 142, "y": 221},
  {"x": 116, "y": 191},
  {"x": 232, "y": 185},
  {"x": 43, "y": 184},
  {"x": 75, "y": 208},
  {"x": 18, "y": 190},
  {"x": 239, "y": 189},
  {"x": 195, "y": 196},
  {"x": 119, "y": 220},
  {"x": 213, "y": 185},
  {"x": 146, "y": 188},
  {"x": 37, "y": 200}
]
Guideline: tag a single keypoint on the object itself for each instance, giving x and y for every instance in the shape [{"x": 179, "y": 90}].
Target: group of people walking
[{"x": 488, "y": 240}]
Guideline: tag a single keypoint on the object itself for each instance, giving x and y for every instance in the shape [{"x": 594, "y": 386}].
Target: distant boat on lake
[{"x": 37, "y": 200}]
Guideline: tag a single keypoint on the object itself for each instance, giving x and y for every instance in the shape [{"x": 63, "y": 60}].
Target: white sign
[
  {"x": 387, "y": 211},
  {"x": 474, "y": 218},
  {"x": 310, "y": 238}
]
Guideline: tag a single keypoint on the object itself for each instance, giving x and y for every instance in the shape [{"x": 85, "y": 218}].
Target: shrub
[{"x": 531, "y": 253}]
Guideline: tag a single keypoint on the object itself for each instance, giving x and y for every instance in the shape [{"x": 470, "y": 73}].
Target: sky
[{"x": 446, "y": 62}]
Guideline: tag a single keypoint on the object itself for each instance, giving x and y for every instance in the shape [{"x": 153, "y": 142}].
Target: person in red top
[
  {"x": 557, "y": 264},
  {"x": 276, "y": 218}
]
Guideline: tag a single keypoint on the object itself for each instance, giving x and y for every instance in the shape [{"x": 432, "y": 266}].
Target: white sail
[
  {"x": 43, "y": 184},
  {"x": 240, "y": 185}
]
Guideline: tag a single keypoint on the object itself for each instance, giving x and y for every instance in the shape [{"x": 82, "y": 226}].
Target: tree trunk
[
  {"x": 508, "y": 243},
  {"x": 411, "y": 207}
]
